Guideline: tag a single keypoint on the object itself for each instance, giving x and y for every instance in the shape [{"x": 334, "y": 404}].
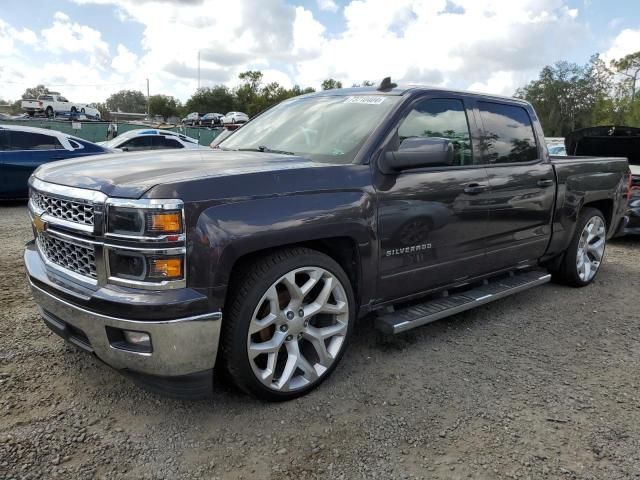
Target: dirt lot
[{"x": 540, "y": 385}]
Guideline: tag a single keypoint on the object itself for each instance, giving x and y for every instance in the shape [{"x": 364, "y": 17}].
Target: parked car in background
[
  {"x": 557, "y": 150},
  {"x": 223, "y": 135},
  {"x": 23, "y": 149},
  {"x": 235, "y": 117},
  {"x": 53, "y": 103},
  {"x": 617, "y": 141},
  {"x": 150, "y": 139},
  {"x": 191, "y": 119},
  {"x": 211, "y": 119}
]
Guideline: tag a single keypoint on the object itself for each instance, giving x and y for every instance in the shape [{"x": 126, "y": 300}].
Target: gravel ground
[{"x": 540, "y": 385}]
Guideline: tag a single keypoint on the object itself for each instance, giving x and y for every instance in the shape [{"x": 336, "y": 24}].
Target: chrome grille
[
  {"x": 64, "y": 209},
  {"x": 76, "y": 258}
]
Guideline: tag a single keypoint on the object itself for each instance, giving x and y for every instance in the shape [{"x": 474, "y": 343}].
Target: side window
[
  {"x": 166, "y": 142},
  {"x": 33, "y": 141},
  {"x": 4, "y": 140},
  {"x": 138, "y": 143},
  {"x": 441, "y": 118},
  {"x": 508, "y": 134}
]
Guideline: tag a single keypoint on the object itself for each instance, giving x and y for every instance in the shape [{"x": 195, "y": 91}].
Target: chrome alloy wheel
[
  {"x": 298, "y": 329},
  {"x": 591, "y": 248}
]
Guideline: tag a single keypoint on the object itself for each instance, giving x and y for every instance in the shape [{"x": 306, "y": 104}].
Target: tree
[
  {"x": 130, "y": 101},
  {"x": 330, "y": 84},
  {"x": 35, "y": 92},
  {"x": 216, "y": 99},
  {"x": 365, "y": 83},
  {"x": 567, "y": 96},
  {"x": 248, "y": 98},
  {"x": 163, "y": 105},
  {"x": 629, "y": 67}
]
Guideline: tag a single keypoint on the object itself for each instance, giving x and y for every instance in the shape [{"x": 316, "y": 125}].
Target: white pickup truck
[{"x": 53, "y": 103}]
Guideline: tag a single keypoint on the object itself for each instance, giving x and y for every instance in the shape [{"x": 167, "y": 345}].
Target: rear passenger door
[
  {"x": 161, "y": 142},
  {"x": 4, "y": 146},
  {"x": 522, "y": 183},
  {"x": 137, "y": 144},
  {"x": 25, "y": 152}
]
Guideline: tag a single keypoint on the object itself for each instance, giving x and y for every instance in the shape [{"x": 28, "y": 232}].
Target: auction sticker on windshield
[{"x": 366, "y": 100}]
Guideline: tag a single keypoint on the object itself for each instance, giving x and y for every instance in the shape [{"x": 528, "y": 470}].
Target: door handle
[
  {"x": 545, "y": 182},
  {"x": 475, "y": 188}
]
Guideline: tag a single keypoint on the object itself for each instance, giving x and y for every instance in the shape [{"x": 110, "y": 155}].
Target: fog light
[
  {"x": 165, "y": 268},
  {"x": 139, "y": 339}
]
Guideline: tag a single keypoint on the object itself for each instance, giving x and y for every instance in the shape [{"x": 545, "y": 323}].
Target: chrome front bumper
[{"x": 181, "y": 346}]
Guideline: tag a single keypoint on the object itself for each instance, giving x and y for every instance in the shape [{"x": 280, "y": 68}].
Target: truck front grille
[
  {"x": 64, "y": 209},
  {"x": 75, "y": 258}
]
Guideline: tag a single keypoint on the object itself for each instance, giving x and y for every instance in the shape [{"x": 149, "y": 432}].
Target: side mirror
[
  {"x": 125, "y": 149},
  {"x": 418, "y": 152}
]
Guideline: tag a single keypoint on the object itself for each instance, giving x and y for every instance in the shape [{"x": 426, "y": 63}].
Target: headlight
[
  {"x": 142, "y": 267},
  {"x": 140, "y": 256},
  {"x": 144, "y": 218}
]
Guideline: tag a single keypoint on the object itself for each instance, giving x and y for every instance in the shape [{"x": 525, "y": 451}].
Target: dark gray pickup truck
[{"x": 404, "y": 205}]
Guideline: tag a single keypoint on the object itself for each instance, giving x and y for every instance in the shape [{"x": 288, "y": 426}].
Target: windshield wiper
[{"x": 263, "y": 148}]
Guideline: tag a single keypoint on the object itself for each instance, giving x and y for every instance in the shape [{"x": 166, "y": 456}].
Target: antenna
[{"x": 386, "y": 84}]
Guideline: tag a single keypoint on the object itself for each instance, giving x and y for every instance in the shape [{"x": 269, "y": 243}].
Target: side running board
[{"x": 441, "y": 307}]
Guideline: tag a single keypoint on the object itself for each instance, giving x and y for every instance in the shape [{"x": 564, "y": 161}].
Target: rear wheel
[
  {"x": 584, "y": 256},
  {"x": 288, "y": 325},
  {"x": 49, "y": 112}
]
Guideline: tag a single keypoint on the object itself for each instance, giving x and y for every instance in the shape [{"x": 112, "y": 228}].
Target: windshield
[{"x": 328, "y": 129}]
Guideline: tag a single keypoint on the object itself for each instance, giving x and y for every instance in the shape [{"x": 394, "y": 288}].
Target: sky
[{"x": 88, "y": 49}]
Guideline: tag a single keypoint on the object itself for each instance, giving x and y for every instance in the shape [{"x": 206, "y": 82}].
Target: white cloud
[
  {"x": 328, "y": 5},
  {"x": 67, "y": 36},
  {"x": 493, "y": 46},
  {"x": 9, "y": 36},
  {"x": 429, "y": 41},
  {"x": 627, "y": 41},
  {"x": 125, "y": 61}
]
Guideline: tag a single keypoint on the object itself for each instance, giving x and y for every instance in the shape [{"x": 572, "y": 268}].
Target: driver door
[{"x": 432, "y": 220}]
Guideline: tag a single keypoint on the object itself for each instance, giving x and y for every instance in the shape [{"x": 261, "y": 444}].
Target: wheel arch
[
  {"x": 342, "y": 249},
  {"x": 605, "y": 206}
]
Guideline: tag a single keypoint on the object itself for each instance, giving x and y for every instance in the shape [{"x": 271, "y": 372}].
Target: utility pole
[
  {"x": 198, "y": 69},
  {"x": 147, "y": 98}
]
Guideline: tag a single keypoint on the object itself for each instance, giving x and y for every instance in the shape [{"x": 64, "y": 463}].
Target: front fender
[{"x": 226, "y": 232}]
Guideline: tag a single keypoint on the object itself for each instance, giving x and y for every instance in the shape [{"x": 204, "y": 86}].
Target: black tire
[
  {"x": 567, "y": 273},
  {"x": 49, "y": 112},
  {"x": 247, "y": 288}
]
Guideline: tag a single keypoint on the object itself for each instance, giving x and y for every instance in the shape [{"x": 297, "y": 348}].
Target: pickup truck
[
  {"x": 619, "y": 141},
  {"x": 401, "y": 205},
  {"x": 53, "y": 103}
]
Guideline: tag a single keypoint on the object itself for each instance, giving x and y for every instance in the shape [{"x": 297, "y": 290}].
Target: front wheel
[
  {"x": 584, "y": 256},
  {"x": 289, "y": 322}
]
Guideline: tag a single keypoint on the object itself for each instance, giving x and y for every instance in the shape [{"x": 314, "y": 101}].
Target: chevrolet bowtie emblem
[{"x": 39, "y": 224}]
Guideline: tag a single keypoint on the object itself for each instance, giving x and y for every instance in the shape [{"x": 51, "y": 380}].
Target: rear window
[
  {"x": 32, "y": 141},
  {"x": 508, "y": 134}
]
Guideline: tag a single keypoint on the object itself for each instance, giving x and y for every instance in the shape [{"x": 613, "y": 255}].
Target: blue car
[{"x": 23, "y": 149}]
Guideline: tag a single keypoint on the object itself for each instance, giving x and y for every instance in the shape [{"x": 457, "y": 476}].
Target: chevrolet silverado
[{"x": 401, "y": 205}]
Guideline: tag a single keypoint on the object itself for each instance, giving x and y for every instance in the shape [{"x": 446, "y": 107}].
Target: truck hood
[{"x": 130, "y": 175}]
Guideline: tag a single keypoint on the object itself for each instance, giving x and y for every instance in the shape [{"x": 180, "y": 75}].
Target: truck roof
[{"x": 400, "y": 90}]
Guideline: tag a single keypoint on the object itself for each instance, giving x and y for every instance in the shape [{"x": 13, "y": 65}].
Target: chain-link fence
[{"x": 97, "y": 131}]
